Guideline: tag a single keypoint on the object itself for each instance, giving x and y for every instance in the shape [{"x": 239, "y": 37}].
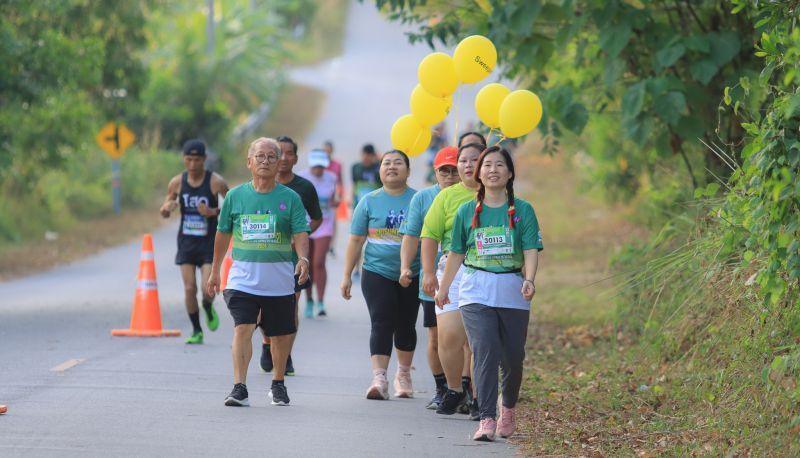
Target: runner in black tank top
[
  {"x": 196, "y": 232},
  {"x": 195, "y": 192}
]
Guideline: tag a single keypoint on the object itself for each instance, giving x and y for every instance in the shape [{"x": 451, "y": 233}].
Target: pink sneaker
[
  {"x": 402, "y": 384},
  {"x": 379, "y": 389},
  {"x": 507, "y": 423},
  {"x": 485, "y": 432}
]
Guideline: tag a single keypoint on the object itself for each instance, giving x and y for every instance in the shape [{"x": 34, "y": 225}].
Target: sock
[
  {"x": 207, "y": 305},
  {"x": 320, "y": 305},
  {"x": 441, "y": 381},
  {"x": 195, "y": 319},
  {"x": 466, "y": 383},
  {"x": 277, "y": 382},
  {"x": 265, "y": 347}
]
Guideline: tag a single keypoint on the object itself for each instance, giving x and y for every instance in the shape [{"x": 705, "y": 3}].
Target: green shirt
[
  {"x": 494, "y": 246},
  {"x": 262, "y": 225},
  {"x": 379, "y": 216},
  {"x": 439, "y": 219}
]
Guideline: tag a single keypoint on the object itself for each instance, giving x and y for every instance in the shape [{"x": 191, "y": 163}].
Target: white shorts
[{"x": 454, "y": 287}]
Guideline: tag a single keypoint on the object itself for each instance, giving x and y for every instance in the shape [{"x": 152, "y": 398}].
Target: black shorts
[
  {"x": 195, "y": 250},
  {"x": 277, "y": 312},
  {"x": 298, "y": 287},
  {"x": 428, "y": 314},
  {"x": 196, "y": 257}
]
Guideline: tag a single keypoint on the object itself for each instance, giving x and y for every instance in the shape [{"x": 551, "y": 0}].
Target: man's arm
[
  {"x": 171, "y": 200},
  {"x": 219, "y": 188},
  {"x": 300, "y": 241},
  {"x": 221, "y": 242}
]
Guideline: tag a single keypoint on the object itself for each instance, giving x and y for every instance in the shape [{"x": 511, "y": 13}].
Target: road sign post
[{"x": 115, "y": 139}]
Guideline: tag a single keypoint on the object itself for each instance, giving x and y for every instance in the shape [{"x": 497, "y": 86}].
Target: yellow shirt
[{"x": 438, "y": 223}]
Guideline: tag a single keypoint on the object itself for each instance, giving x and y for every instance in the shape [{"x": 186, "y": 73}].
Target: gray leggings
[{"x": 497, "y": 337}]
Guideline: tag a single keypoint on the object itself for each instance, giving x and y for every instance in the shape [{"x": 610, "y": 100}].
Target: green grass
[{"x": 677, "y": 356}]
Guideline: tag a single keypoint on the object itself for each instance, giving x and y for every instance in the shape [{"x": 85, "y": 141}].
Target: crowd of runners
[{"x": 465, "y": 250}]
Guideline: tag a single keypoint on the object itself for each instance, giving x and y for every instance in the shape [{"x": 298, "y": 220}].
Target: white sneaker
[{"x": 379, "y": 389}]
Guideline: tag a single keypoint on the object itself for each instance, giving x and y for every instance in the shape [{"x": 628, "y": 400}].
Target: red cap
[{"x": 446, "y": 156}]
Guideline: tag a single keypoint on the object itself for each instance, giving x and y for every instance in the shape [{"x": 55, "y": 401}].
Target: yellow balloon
[
  {"x": 437, "y": 74},
  {"x": 409, "y": 136},
  {"x": 488, "y": 101},
  {"x": 427, "y": 109},
  {"x": 520, "y": 113},
  {"x": 474, "y": 58}
]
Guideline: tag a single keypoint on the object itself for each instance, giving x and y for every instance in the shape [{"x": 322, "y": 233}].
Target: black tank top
[{"x": 193, "y": 224}]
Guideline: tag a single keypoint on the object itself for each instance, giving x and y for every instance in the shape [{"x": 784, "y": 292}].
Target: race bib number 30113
[
  {"x": 491, "y": 241},
  {"x": 259, "y": 228}
]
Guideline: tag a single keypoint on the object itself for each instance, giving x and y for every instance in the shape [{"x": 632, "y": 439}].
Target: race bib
[
  {"x": 195, "y": 225},
  {"x": 324, "y": 203},
  {"x": 259, "y": 228},
  {"x": 492, "y": 241}
]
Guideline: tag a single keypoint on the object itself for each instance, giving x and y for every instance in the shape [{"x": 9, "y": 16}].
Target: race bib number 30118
[
  {"x": 259, "y": 228},
  {"x": 491, "y": 241}
]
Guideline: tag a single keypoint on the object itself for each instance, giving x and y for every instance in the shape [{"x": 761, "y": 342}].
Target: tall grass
[{"x": 81, "y": 189}]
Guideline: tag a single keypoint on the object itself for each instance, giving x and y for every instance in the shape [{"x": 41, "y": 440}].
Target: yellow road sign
[{"x": 115, "y": 139}]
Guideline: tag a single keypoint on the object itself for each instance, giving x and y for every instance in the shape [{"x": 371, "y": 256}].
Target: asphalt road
[{"x": 73, "y": 390}]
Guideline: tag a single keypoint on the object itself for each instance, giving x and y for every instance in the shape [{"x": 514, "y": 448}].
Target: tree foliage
[{"x": 645, "y": 75}]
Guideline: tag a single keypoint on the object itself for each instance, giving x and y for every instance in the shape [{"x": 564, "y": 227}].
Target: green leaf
[
  {"x": 697, "y": 43},
  {"x": 522, "y": 20},
  {"x": 724, "y": 46},
  {"x": 703, "y": 70},
  {"x": 712, "y": 189},
  {"x": 748, "y": 255},
  {"x": 638, "y": 129},
  {"x": 575, "y": 118},
  {"x": 614, "y": 38},
  {"x": 633, "y": 100},
  {"x": 666, "y": 57},
  {"x": 670, "y": 106}
]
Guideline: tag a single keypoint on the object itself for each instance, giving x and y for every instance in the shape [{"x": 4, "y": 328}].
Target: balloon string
[
  {"x": 502, "y": 137},
  {"x": 491, "y": 131},
  {"x": 458, "y": 108}
]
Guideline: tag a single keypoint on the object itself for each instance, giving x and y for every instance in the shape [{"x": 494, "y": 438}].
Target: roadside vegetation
[
  {"x": 667, "y": 325},
  {"x": 148, "y": 64}
]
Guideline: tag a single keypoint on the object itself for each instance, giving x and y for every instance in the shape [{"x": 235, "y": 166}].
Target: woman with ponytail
[
  {"x": 496, "y": 237},
  {"x": 454, "y": 352}
]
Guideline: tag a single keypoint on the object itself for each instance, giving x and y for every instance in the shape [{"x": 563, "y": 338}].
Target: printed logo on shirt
[
  {"x": 193, "y": 201},
  {"x": 394, "y": 220}
]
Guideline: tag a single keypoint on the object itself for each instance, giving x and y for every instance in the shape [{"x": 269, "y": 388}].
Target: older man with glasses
[{"x": 265, "y": 219}]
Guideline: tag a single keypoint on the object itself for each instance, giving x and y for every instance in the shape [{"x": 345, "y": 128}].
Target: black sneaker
[
  {"x": 279, "y": 395},
  {"x": 238, "y": 397},
  {"x": 266, "y": 358},
  {"x": 436, "y": 399},
  {"x": 450, "y": 402},
  {"x": 289, "y": 366},
  {"x": 463, "y": 408},
  {"x": 474, "y": 411}
]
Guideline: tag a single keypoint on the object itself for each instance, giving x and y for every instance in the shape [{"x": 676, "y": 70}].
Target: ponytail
[
  {"x": 476, "y": 217},
  {"x": 511, "y": 209}
]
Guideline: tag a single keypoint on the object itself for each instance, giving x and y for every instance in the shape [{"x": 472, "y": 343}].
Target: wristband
[{"x": 303, "y": 258}]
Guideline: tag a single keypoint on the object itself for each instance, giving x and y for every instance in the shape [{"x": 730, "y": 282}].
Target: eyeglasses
[
  {"x": 448, "y": 171},
  {"x": 262, "y": 158}
]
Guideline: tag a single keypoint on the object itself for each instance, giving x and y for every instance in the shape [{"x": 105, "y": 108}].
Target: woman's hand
[
  {"x": 430, "y": 284},
  {"x": 405, "y": 278},
  {"x": 442, "y": 298},
  {"x": 528, "y": 290},
  {"x": 347, "y": 283}
]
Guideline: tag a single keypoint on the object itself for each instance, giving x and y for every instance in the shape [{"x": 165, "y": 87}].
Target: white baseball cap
[{"x": 318, "y": 158}]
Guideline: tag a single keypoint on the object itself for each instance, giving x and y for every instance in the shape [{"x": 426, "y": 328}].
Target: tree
[{"x": 641, "y": 79}]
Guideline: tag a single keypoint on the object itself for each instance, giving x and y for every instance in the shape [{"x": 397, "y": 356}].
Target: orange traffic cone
[
  {"x": 3, "y": 409},
  {"x": 146, "y": 314},
  {"x": 343, "y": 211},
  {"x": 227, "y": 262}
]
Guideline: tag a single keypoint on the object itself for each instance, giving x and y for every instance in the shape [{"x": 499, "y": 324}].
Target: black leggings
[{"x": 393, "y": 312}]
